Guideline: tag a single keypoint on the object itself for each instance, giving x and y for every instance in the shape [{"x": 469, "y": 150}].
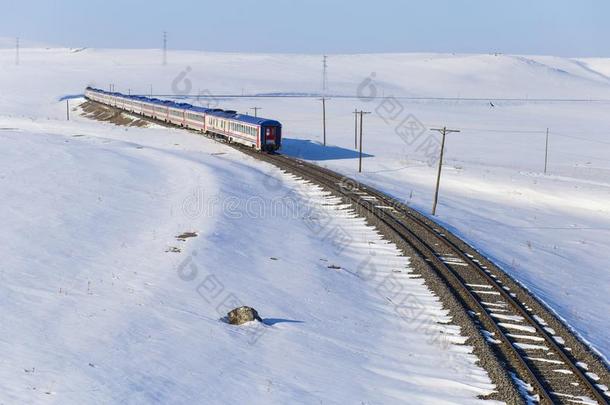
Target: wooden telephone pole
[
  {"x": 164, "y": 48},
  {"x": 444, "y": 131},
  {"x": 360, "y": 152},
  {"x": 256, "y": 110},
  {"x": 356, "y": 128},
  {"x": 324, "y": 119},
  {"x": 324, "y": 98},
  {"x": 546, "y": 150}
]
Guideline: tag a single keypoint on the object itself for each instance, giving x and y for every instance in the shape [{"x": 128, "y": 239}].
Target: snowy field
[
  {"x": 94, "y": 308},
  {"x": 101, "y": 303}
]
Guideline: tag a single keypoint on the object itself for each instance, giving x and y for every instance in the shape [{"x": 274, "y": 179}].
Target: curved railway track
[
  {"x": 530, "y": 342},
  {"x": 528, "y": 348}
]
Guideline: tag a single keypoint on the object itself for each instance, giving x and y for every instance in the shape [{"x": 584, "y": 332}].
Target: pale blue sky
[{"x": 557, "y": 27}]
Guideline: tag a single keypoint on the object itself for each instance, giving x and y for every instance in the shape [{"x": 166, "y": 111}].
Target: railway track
[
  {"x": 531, "y": 344},
  {"x": 515, "y": 327}
]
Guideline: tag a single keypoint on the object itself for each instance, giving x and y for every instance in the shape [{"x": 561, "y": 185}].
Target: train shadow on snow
[{"x": 313, "y": 150}]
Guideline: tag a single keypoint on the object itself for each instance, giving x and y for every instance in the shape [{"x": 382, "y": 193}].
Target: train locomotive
[{"x": 259, "y": 133}]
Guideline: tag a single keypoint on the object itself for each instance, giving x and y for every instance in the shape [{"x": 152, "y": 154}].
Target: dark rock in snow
[
  {"x": 242, "y": 315},
  {"x": 186, "y": 235}
]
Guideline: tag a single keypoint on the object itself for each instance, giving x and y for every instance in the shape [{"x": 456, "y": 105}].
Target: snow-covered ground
[
  {"x": 96, "y": 310},
  {"x": 87, "y": 221},
  {"x": 98, "y": 306}
]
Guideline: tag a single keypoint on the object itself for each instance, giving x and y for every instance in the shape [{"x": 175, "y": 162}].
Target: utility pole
[
  {"x": 360, "y": 153},
  {"x": 324, "y": 118},
  {"x": 324, "y": 78},
  {"x": 151, "y": 90},
  {"x": 356, "y": 128},
  {"x": 129, "y": 92},
  {"x": 256, "y": 110},
  {"x": 546, "y": 150},
  {"x": 67, "y": 109},
  {"x": 164, "y": 48},
  {"x": 444, "y": 131},
  {"x": 17, "y": 51}
]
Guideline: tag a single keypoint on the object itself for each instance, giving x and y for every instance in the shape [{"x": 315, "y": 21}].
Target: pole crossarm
[{"x": 445, "y": 130}]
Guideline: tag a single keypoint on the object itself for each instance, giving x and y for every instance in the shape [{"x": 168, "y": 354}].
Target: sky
[{"x": 542, "y": 27}]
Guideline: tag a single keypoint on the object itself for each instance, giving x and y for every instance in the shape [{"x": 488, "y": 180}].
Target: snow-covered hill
[{"x": 96, "y": 311}]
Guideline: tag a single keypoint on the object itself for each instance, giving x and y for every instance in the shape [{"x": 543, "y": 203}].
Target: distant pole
[
  {"x": 324, "y": 118},
  {"x": 17, "y": 51},
  {"x": 256, "y": 110},
  {"x": 67, "y": 110},
  {"x": 129, "y": 92},
  {"x": 164, "y": 48},
  {"x": 546, "y": 150},
  {"x": 151, "y": 90},
  {"x": 444, "y": 131},
  {"x": 360, "y": 152},
  {"x": 356, "y": 128},
  {"x": 324, "y": 77}
]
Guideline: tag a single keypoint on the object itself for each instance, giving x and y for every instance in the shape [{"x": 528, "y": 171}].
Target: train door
[{"x": 270, "y": 134}]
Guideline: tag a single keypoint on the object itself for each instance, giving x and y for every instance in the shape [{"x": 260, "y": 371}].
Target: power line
[
  {"x": 581, "y": 139},
  {"x": 514, "y": 131}
]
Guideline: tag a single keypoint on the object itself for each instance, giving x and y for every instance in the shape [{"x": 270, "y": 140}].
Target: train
[{"x": 262, "y": 134}]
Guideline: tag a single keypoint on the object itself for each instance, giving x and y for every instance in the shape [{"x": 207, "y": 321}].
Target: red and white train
[{"x": 256, "y": 132}]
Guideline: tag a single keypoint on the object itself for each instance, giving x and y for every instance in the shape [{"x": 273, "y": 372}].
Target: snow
[
  {"x": 100, "y": 312},
  {"x": 527, "y": 346},
  {"x": 97, "y": 308},
  {"x": 549, "y": 231}
]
